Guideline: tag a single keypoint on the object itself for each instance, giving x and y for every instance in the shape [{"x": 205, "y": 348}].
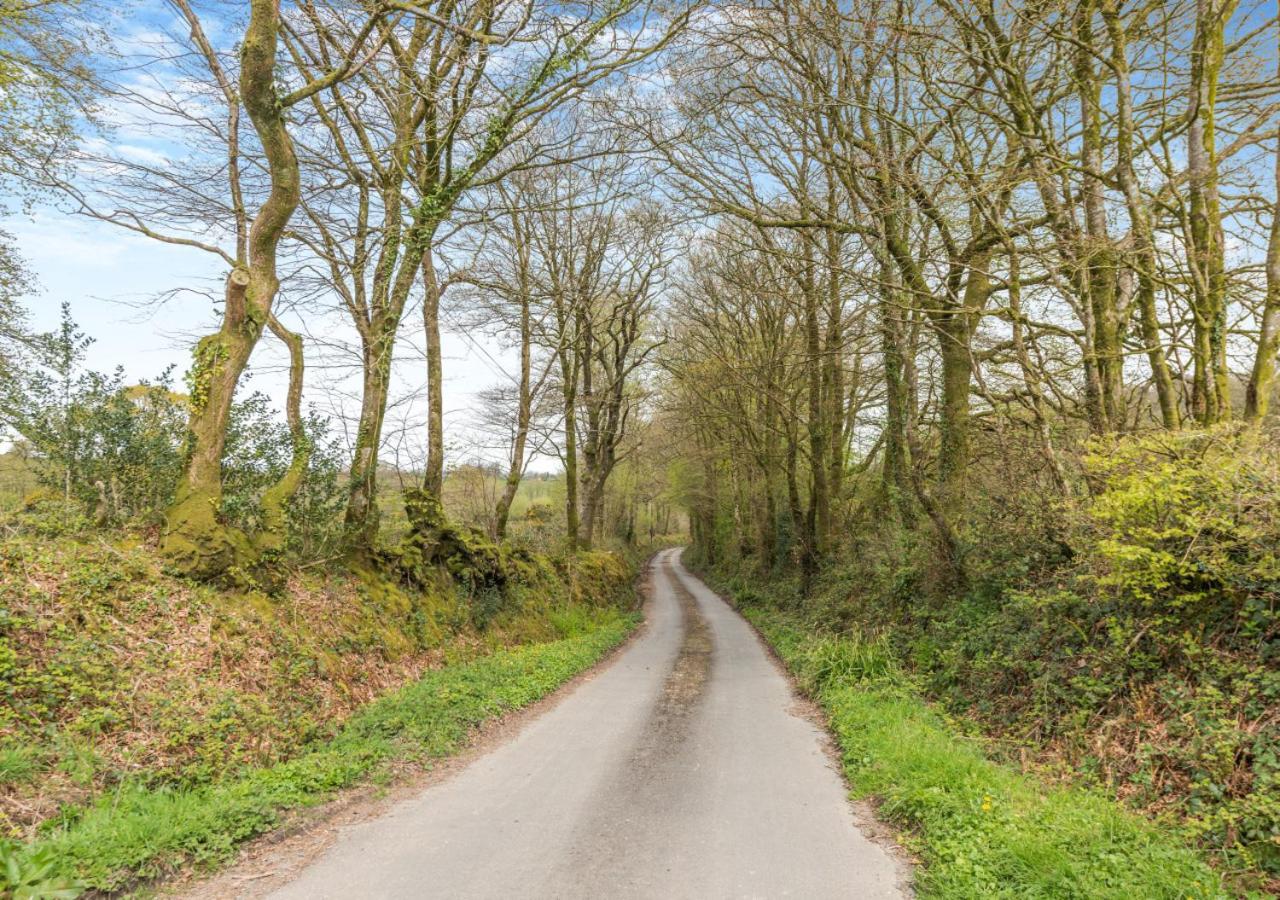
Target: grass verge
[
  {"x": 141, "y": 833},
  {"x": 980, "y": 828}
]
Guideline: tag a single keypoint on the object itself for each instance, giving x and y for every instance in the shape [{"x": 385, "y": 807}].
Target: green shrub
[
  {"x": 259, "y": 450},
  {"x": 982, "y": 829},
  {"x": 1127, "y": 636},
  {"x": 114, "y": 451},
  {"x": 1187, "y": 530},
  {"x": 113, "y": 448}
]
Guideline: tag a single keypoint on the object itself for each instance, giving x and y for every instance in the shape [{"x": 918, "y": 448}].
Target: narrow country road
[{"x": 682, "y": 770}]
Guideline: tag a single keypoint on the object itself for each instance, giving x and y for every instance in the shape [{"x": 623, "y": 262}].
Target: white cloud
[
  {"x": 50, "y": 239},
  {"x": 144, "y": 155}
]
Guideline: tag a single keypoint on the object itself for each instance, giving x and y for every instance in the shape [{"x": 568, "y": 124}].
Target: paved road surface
[{"x": 679, "y": 771}]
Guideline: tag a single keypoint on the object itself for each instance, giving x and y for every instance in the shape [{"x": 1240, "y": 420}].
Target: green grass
[
  {"x": 980, "y": 828},
  {"x": 141, "y": 832},
  {"x": 18, "y": 764}
]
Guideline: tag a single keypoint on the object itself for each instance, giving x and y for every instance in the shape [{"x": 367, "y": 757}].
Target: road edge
[
  {"x": 264, "y": 863},
  {"x": 880, "y": 832}
]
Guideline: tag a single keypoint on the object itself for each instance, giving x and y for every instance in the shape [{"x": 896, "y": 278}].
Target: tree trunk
[
  {"x": 591, "y": 510},
  {"x": 524, "y": 413},
  {"x": 569, "y": 381},
  {"x": 819, "y": 512},
  {"x": 957, "y": 374},
  {"x": 1262, "y": 378},
  {"x": 833, "y": 370},
  {"x": 1099, "y": 260},
  {"x": 362, "y": 515},
  {"x": 392, "y": 286},
  {"x": 709, "y": 510},
  {"x": 196, "y": 541},
  {"x": 591, "y": 440},
  {"x": 769, "y": 474},
  {"x": 954, "y": 326},
  {"x": 1211, "y": 399},
  {"x": 896, "y": 480},
  {"x": 270, "y": 540},
  {"x": 768, "y": 520},
  {"x": 1140, "y": 222},
  {"x": 801, "y": 520},
  {"x": 433, "y": 478}
]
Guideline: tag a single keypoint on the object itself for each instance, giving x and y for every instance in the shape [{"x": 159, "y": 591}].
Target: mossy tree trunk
[
  {"x": 196, "y": 541},
  {"x": 362, "y": 516},
  {"x": 833, "y": 377},
  {"x": 819, "y": 511},
  {"x": 897, "y": 454},
  {"x": 1144, "y": 245},
  {"x": 569, "y": 391},
  {"x": 1262, "y": 378},
  {"x": 270, "y": 539},
  {"x": 433, "y": 480},
  {"x": 590, "y": 446},
  {"x": 378, "y": 320},
  {"x": 957, "y": 375},
  {"x": 1210, "y": 396},
  {"x": 524, "y": 402},
  {"x": 1099, "y": 260}
]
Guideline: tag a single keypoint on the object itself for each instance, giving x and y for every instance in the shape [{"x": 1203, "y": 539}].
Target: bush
[
  {"x": 1128, "y": 635},
  {"x": 259, "y": 450},
  {"x": 1138, "y": 637},
  {"x": 116, "y": 450},
  {"x": 1186, "y": 532},
  {"x": 112, "y": 448},
  {"x": 1179, "y": 562}
]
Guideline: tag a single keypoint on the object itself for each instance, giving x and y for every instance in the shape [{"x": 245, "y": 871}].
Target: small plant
[
  {"x": 837, "y": 661},
  {"x": 34, "y": 875},
  {"x": 18, "y": 764}
]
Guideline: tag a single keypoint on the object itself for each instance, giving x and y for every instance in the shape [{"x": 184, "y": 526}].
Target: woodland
[{"x": 944, "y": 334}]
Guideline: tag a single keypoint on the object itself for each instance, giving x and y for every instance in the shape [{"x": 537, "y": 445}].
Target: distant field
[{"x": 470, "y": 496}]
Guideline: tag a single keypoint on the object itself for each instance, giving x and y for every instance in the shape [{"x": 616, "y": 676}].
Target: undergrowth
[
  {"x": 147, "y": 721},
  {"x": 982, "y": 829},
  {"x": 143, "y": 832},
  {"x": 1124, "y": 637}
]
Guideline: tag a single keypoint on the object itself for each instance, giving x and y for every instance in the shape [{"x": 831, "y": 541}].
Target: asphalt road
[{"x": 684, "y": 769}]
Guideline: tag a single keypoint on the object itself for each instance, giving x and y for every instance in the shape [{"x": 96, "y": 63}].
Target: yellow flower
[{"x": 986, "y": 804}]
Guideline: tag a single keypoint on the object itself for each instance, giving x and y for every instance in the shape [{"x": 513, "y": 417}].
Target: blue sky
[
  {"x": 145, "y": 302},
  {"x": 116, "y": 283}
]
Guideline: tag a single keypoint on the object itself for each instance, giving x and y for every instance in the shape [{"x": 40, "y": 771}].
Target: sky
[
  {"x": 145, "y": 303},
  {"x": 120, "y": 285}
]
